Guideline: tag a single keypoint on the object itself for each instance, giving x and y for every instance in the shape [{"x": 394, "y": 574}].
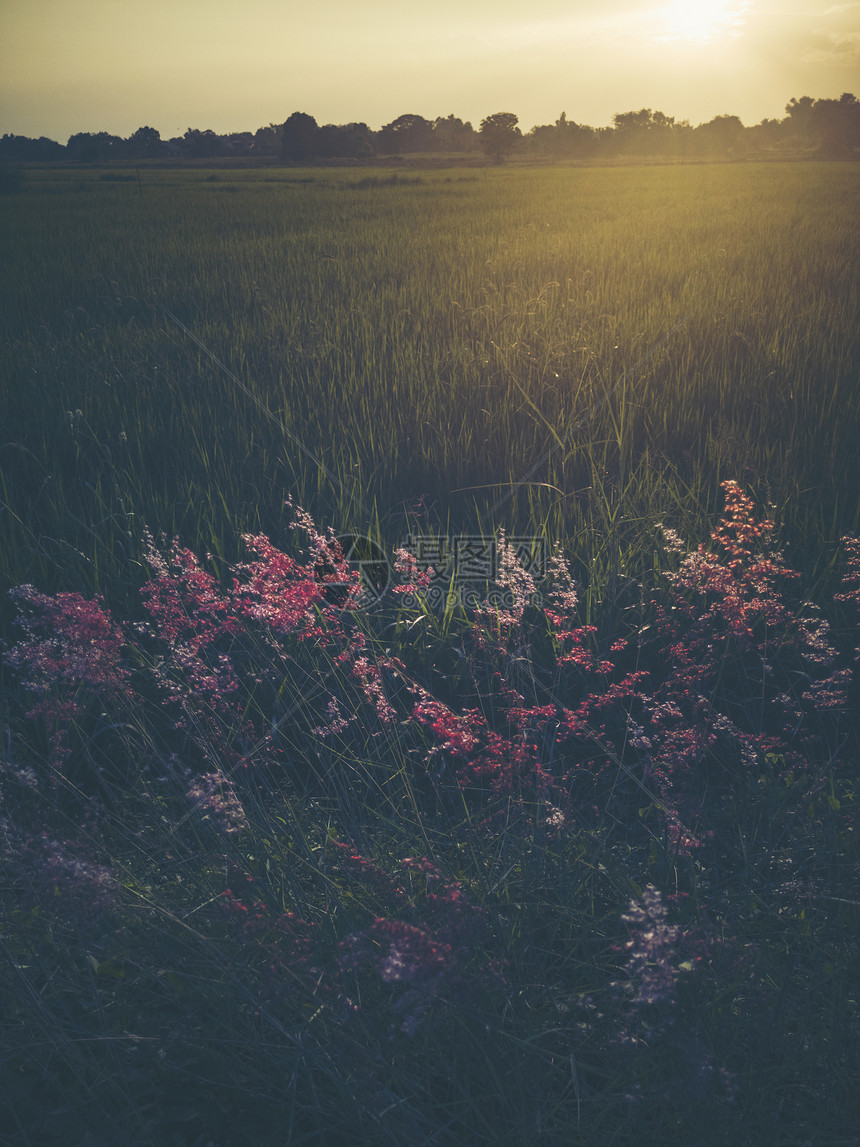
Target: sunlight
[{"x": 701, "y": 21}]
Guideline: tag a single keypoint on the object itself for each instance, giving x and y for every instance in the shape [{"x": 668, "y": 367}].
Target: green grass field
[
  {"x": 575, "y": 864},
  {"x": 578, "y": 351}
]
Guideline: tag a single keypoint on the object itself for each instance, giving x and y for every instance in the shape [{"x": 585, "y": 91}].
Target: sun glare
[{"x": 701, "y": 21}]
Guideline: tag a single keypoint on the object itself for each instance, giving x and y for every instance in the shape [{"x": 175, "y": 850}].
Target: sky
[{"x": 116, "y": 65}]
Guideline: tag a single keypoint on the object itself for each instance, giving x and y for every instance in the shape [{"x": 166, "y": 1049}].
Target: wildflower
[
  {"x": 501, "y": 612},
  {"x": 276, "y": 589},
  {"x": 514, "y": 578},
  {"x": 185, "y": 603},
  {"x": 851, "y": 578},
  {"x": 572, "y": 638},
  {"x": 555, "y": 819},
  {"x": 415, "y": 579},
  {"x": 430, "y": 963},
  {"x": 672, "y": 540},
  {"x": 70, "y": 649},
  {"x": 455, "y": 734},
  {"x": 652, "y": 967},
  {"x": 651, "y": 974},
  {"x": 337, "y": 723},
  {"x": 369, "y": 677},
  {"x": 58, "y": 876},
  {"x": 214, "y": 795}
]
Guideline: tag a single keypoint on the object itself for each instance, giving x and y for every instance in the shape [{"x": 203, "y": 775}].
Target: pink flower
[
  {"x": 71, "y": 650},
  {"x": 214, "y": 796}
]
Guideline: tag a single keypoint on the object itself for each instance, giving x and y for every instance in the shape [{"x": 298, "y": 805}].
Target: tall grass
[
  {"x": 568, "y": 862},
  {"x": 269, "y": 882},
  {"x": 578, "y": 351}
]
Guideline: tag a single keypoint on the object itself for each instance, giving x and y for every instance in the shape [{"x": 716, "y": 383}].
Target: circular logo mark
[{"x": 366, "y": 558}]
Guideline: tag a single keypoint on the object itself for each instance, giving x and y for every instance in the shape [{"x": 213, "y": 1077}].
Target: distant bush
[{"x": 393, "y": 180}]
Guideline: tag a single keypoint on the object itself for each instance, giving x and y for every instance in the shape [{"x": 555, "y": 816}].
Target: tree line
[{"x": 829, "y": 128}]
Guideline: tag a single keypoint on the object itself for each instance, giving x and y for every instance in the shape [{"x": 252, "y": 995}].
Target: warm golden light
[
  {"x": 701, "y": 21},
  {"x": 68, "y": 66}
]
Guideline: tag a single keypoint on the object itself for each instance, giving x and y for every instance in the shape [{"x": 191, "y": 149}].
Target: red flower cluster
[
  {"x": 728, "y": 667},
  {"x": 736, "y": 671},
  {"x": 69, "y": 654},
  {"x": 851, "y": 579}
]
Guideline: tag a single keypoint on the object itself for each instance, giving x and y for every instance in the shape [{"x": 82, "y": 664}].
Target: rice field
[{"x": 576, "y": 352}]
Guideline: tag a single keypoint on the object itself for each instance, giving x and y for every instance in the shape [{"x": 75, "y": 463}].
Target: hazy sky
[{"x": 114, "y": 65}]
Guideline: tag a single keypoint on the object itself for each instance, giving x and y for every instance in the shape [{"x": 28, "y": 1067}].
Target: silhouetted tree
[
  {"x": 94, "y": 147},
  {"x": 723, "y": 135},
  {"x": 830, "y": 126},
  {"x": 799, "y": 122},
  {"x": 562, "y": 139},
  {"x": 836, "y": 125},
  {"x": 826, "y": 127},
  {"x": 145, "y": 143},
  {"x": 770, "y": 134},
  {"x": 267, "y": 140},
  {"x": 630, "y": 132},
  {"x": 238, "y": 143},
  {"x": 574, "y": 138},
  {"x": 300, "y": 137},
  {"x": 20, "y": 147},
  {"x": 499, "y": 135},
  {"x": 408, "y": 132},
  {"x": 452, "y": 134},
  {"x": 359, "y": 139},
  {"x": 345, "y": 141},
  {"x": 646, "y": 132},
  {"x": 201, "y": 144},
  {"x": 632, "y": 121}
]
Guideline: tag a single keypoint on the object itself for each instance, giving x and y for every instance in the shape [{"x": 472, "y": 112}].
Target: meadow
[
  {"x": 571, "y": 858},
  {"x": 467, "y": 338}
]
